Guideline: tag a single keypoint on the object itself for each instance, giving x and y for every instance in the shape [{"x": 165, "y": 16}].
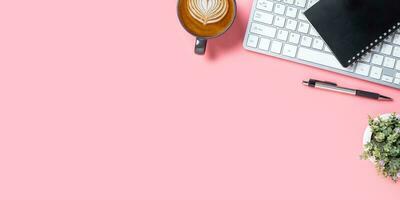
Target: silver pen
[{"x": 334, "y": 87}]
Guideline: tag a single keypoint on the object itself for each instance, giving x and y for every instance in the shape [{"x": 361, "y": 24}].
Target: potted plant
[{"x": 382, "y": 145}]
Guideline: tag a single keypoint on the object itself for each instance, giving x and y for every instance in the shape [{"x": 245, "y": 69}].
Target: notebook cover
[{"x": 352, "y": 27}]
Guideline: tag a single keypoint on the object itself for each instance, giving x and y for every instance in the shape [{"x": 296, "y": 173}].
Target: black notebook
[{"x": 352, "y": 27}]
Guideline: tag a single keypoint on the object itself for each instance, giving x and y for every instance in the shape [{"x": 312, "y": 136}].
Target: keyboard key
[
  {"x": 311, "y": 2},
  {"x": 306, "y": 41},
  {"x": 376, "y": 48},
  {"x": 288, "y": 1},
  {"x": 389, "y": 62},
  {"x": 326, "y": 48},
  {"x": 279, "y": 9},
  {"x": 264, "y": 44},
  {"x": 387, "y": 49},
  {"x": 294, "y": 38},
  {"x": 363, "y": 69},
  {"x": 282, "y": 35},
  {"x": 398, "y": 75},
  {"x": 301, "y": 17},
  {"x": 314, "y": 32},
  {"x": 397, "y": 81},
  {"x": 276, "y": 47},
  {"x": 388, "y": 79},
  {"x": 398, "y": 65},
  {"x": 318, "y": 44},
  {"x": 263, "y": 17},
  {"x": 303, "y": 27},
  {"x": 289, "y": 50},
  {"x": 376, "y": 72},
  {"x": 389, "y": 39},
  {"x": 263, "y": 30},
  {"x": 366, "y": 57},
  {"x": 291, "y": 12},
  {"x": 350, "y": 68},
  {"x": 396, "y": 52},
  {"x": 300, "y": 3},
  {"x": 291, "y": 24},
  {"x": 319, "y": 58},
  {"x": 252, "y": 41},
  {"x": 265, "y": 5},
  {"x": 396, "y": 39},
  {"x": 279, "y": 21},
  {"x": 377, "y": 59}
]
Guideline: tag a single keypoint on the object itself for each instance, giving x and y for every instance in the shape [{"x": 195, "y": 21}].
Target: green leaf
[{"x": 384, "y": 147}]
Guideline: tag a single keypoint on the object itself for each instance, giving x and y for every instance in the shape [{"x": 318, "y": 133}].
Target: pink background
[{"x": 106, "y": 100}]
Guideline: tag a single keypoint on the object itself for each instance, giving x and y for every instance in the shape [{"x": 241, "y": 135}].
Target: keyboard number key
[
  {"x": 289, "y": 50},
  {"x": 252, "y": 41},
  {"x": 300, "y": 3},
  {"x": 291, "y": 12},
  {"x": 276, "y": 47}
]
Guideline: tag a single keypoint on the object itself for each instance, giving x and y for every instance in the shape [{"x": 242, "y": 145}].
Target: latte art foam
[{"x": 208, "y": 11}]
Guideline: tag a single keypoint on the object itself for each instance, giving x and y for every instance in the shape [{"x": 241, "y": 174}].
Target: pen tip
[{"x": 385, "y": 98}]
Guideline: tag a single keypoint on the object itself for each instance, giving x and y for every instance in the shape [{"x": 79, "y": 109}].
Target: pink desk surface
[{"x": 106, "y": 100}]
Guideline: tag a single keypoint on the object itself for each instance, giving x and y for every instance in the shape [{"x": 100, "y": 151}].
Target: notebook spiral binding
[{"x": 368, "y": 48}]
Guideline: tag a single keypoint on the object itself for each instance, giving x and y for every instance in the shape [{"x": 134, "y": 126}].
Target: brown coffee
[{"x": 206, "y": 18}]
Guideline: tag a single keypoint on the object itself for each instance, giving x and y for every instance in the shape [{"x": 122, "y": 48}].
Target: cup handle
[{"x": 200, "y": 46}]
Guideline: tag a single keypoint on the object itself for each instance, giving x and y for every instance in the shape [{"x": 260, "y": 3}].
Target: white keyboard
[{"x": 278, "y": 28}]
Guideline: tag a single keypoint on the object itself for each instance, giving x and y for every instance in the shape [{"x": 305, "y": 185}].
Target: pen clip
[
  {"x": 330, "y": 83},
  {"x": 324, "y": 82}
]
